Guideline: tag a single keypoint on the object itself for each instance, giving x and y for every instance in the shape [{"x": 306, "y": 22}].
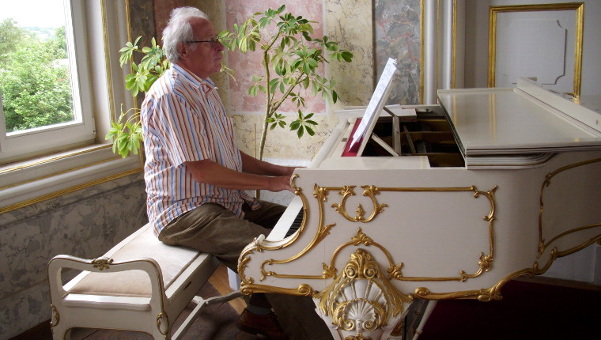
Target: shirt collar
[{"x": 206, "y": 84}]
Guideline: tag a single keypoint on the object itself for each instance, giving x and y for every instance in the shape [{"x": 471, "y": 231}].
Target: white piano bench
[{"x": 141, "y": 284}]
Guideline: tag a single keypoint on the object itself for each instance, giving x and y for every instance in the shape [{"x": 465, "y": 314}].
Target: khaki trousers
[{"x": 215, "y": 230}]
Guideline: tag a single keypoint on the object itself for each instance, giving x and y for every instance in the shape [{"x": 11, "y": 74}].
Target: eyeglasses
[{"x": 213, "y": 41}]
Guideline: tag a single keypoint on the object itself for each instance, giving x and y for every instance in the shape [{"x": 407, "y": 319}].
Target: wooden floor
[
  {"x": 214, "y": 323},
  {"x": 220, "y": 282}
]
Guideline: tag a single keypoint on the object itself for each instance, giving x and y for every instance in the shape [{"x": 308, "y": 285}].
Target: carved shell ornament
[{"x": 361, "y": 302}]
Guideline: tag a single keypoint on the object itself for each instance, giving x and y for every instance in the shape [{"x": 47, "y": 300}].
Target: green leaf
[
  {"x": 273, "y": 84},
  {"x": 253, "y": 90},
  {"x": 347, "y": 56}
]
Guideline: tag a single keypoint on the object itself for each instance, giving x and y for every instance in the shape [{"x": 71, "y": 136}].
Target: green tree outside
[
  {"x": 34, "y": 79},
  {"x": 10, "y": 34}
]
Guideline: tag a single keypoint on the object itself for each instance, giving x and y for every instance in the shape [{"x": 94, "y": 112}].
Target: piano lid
[{"x": 522, "y": 120}]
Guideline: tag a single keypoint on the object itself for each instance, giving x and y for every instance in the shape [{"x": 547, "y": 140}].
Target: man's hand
[{"x": 280, "y": 183}]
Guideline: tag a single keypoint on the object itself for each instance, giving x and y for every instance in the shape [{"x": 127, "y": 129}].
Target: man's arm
[
  {"x": 207, "y": 171},
  {"x": 255, "y": 166}
]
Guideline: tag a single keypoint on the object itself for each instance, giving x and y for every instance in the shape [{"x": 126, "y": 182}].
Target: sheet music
[{"x": 377, "y": 101}]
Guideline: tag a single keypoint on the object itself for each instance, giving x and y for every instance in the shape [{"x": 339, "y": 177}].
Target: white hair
[{"x": 179, "y": 30}]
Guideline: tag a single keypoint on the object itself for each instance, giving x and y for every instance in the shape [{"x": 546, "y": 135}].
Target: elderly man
[{"x": 196, "y": 177}]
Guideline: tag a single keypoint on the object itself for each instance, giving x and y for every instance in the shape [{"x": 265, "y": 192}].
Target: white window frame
[
  {"x": 101, "y": 29},
  {"x": 81, "y": 131}
]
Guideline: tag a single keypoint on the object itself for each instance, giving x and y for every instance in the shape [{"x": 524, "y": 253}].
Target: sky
[{"x": 33, "y": 13}]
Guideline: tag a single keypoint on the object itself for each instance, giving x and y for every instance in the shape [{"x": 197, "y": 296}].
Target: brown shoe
[{"x": 266, "y": 325}]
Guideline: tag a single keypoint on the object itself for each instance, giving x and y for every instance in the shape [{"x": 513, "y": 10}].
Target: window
[
  {"x": 42, "y": 72},
  {"x": 61, "y": 145}
]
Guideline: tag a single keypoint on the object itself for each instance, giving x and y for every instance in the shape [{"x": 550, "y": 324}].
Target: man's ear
[{"x": 182, "y": 50}]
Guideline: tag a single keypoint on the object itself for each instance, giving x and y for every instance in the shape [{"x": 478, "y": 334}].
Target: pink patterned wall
[{"x": 236, "y": 11}]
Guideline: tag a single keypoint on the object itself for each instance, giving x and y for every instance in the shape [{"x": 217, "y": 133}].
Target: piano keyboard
[{"x": 289, "y": 222}]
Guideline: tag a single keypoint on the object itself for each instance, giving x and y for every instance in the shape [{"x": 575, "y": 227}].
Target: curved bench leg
[{"x": 200, "y": 303}]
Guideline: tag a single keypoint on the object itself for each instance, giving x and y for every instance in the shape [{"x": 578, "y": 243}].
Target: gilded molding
[
  {"x": 302, "y": 289},
  {"x": 394, "y": 269},
  {"x": 102, "y": 263},
  {"x": 10, "y": 169},
  {"x": 369, "y": 191},
  {"x": 67, "y": 191},
  {"x": 163, "y": 324},
  {"x": 56, "y": 317},
  {"x": 492, "y": 37},
  {"x": 543, "y": 243},
  {"x": 107, "y": 58}
]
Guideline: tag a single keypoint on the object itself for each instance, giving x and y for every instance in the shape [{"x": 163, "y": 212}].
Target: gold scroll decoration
[
  {"x": 369, "y": 191},
  {"x": 543, "y": 243},
  {"x": 102, "y": 263},
  {"x": 330, "y": 271}
]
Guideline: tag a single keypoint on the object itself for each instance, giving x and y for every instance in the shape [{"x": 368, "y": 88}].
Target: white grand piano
[{"x": 447, "y": 201}]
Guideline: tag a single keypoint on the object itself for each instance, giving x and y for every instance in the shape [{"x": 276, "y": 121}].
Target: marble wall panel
[
  {"x": 142, "y": 20},
  {"x": 281, "y": 144},
  {"x": 85, "y": 223},
  {"x": 398, "y": 35},
  {"x": 350, "y": 23}
]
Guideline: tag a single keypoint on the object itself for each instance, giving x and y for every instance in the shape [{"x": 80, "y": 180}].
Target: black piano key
[{"x": 296, "y": 223}]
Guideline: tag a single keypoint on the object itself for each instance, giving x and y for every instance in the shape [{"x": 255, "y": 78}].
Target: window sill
[{"x": 26, "y": 183}]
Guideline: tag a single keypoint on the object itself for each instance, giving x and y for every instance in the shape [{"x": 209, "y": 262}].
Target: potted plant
[
  {"x": 291, "y": 57},
  {"x": 290, "y": 61},
  {"x": 126, "y": 132}
]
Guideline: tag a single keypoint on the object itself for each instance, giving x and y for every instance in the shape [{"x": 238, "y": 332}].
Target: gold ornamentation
[
  {"x": 579, "y": 17},
  {"x": 56, "y": 318},
  {"x": 554, "y": 253},
  {"x": 163, "y": 324},
  {"x": 322, "y": 232},
  {"x": 544, "y": 244},
  {"x": 394, "y": 270},
  {"x": 102, "y": 263},
  {"x": 360, "y": 301},
  {"x": 302, "y": 289},
  {"x": 369, "y": 191},
  {"x": 479, "y": 294}
]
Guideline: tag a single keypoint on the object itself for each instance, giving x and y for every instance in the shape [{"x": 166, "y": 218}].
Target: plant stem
[{"x": 268, "y": 102}]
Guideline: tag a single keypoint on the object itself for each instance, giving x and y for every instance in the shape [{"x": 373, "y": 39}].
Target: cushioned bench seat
[{"x": 140, "y": 284}]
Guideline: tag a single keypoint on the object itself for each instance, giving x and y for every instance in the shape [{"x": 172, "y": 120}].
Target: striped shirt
[{"x": 183, "y": 119}]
